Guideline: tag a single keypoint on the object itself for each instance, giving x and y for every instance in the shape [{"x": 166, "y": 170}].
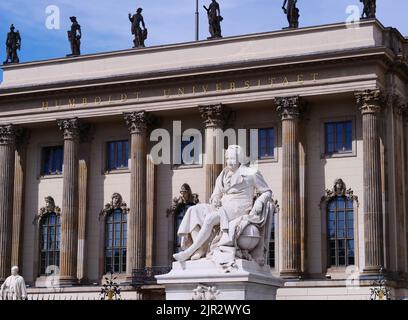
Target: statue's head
[
  {"x": 14, "y": 271},
  {"x": 12, "y": 27},
  {"x": 139, "y": 10},
  {"x": 234, "y": 157},
  {"x": 186, "y": 192},
  {"x": 73, "y": 19},
  {"x": 49, "y": 204},
  {"x": 116, "y": 200}
]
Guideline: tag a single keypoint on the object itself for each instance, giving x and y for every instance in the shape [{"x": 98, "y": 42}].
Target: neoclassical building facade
[{"x": 80, "y": 194}]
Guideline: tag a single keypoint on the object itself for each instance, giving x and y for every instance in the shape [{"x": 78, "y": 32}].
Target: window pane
[
  {"x": 266, "y": 143},
  {"x": 349, "y": 136},
  {"x": 50, "y": 235}
]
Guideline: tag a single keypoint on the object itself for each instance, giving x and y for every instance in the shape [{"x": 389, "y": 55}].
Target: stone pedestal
[{"x": 248, "y": 282}]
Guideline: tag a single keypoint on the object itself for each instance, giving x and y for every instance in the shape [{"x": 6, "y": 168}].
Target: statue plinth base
[{"x": 248, "y": 282}]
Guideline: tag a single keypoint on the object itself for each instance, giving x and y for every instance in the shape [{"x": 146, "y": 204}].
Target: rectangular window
[
  {"x": 266, "y": 143},
  {"x": 117, "y": 155},
  {"x": 338, "y": 137},
  {"x": 52, "y": 160}
]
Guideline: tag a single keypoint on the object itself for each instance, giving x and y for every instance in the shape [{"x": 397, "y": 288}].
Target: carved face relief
[
  {"x": 116, "y": 200},
  {"x": 49, "y": 204}
]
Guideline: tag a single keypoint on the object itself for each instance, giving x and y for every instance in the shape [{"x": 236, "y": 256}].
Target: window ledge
[
  {"x": 339, "y": 155},
  {"x": 186, "y": 166},
  {"x": 267, "y": 160},
  {"x": 117, "y": 171},
  {"x": 51, "y": 176}
]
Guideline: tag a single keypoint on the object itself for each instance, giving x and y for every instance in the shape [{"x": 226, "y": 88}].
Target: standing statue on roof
[
  {"x": 13, "y": 43},
  {"x": 369, "y": 10},
  {"x": 214, "y": 19},
  {"x": 74, "y": 37},
  {"x": 139, "y": 33},
  {"x": 292, "y": 13}
]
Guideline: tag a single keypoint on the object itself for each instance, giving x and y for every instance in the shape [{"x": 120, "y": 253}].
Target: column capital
[
  {"x": 289, "y": 108},
  {"x": 7, "y": 134},
  {"x": 214, "y": 115},
  {"x": 70, "y": 128},
  {"x": 138, "y": 121},
  {"x": 370, "y": 101}
]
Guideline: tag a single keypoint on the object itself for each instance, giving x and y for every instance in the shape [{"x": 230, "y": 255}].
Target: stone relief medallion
[{"x": 207, "y": 293}]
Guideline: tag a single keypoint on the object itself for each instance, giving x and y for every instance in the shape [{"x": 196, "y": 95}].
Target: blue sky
[{"x": 106, "y": 26}]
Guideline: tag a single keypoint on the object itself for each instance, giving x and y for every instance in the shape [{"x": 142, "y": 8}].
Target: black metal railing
[{"x": 147, "y": 275}]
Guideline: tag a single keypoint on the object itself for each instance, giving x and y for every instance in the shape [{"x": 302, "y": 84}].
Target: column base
[
  {"x": 290, "y": 274},
  {"x": 68, "y": 281}
]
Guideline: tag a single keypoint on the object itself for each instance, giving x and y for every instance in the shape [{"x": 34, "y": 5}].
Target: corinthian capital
[
  {"x": 7, "y": 134},
  {"x": 289, "y": 107},
  {"x": 370, "y": 101},
  {"x": 70, "y": 128},
  {"x": 214, "y": 115},
  {"x": 138, "y": 121}
]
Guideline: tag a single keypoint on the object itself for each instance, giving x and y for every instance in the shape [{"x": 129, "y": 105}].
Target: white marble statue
[
  {"x": 14, "y": 287},
  {"x": 213, "y": 230}
]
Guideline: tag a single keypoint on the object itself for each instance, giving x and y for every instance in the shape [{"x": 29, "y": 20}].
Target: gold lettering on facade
[
  {"x": 259, "y": 83},
  {"x": 137, "y": 94},
  {"x": 110, "y": 99},
  {"x": 57, "y": 104},
  {"x": 181, "y": 91},
  {"x": 247, "y": 84},
  {"x": 45, "y": 105},
  {"x": 167, "y": 93},
  {"x": 314, "y": 76},
  {"x": 123, "y": 97},
  {"x": 98, "y": 100},
  {"x": 71, "y": 103},
  {"x": 300, "y": 78},
  {"x": 194, "y": 89},
  {"x": 218, "y": 87},
  {"x": 232, "y": 86},
  {"x": 205, "y": 88},
  {"x": 271, "y": 81},
  {"x": 285, "y": 81}
]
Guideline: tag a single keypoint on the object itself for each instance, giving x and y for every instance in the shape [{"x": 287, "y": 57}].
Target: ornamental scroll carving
[
  {"x": 49, "y": 207},
  {"x": 116, "y": 203},
  {"x": 339, "y": 190}
]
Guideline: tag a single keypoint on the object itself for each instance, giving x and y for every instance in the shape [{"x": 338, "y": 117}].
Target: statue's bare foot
[
  {"x": 198, "y": 254},
  {"x": 181, "y": 256}
]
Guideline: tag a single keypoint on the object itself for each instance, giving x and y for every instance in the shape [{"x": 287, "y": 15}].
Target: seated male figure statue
[{"x": 231, "y": 200}]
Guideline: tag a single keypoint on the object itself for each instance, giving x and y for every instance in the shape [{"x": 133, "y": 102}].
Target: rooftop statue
[
  {"x": 292, "y": 13},
  {"x": 369, "y": 10},
  {"x": 13, "y": 43},
  {"x": 74, "y": 37},
  {"x": 232, "y": 224},
  {"x": 214, "y": 19},
  {"x": 139, "y": 33}
]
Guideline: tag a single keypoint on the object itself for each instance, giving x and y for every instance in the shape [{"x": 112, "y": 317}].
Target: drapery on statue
[
  {"x": 74, "y": 37},
  {"x": 14, "y": 287},
  {"x": 13, "y": 43},
  {"x": 369, "y": 10},
  {"x": 292, "y": 13},
  {"x": 214, "y": 19},
  {"x": 139, "y": 33},
  {"x": 232, "y": 224}
]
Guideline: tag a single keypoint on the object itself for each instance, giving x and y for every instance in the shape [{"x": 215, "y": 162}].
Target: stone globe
[{"x": 249, "y": 238}]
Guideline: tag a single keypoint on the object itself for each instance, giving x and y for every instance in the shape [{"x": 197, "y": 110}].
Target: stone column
[
  {"x": 70, "y": 210},
  {"x": 289, "y": 109},
  {"x": 22, "y": 137},
  {"x": 214, "y": 120},
  {"x": 7, "y": 158},
  {"x": 150, "y": 212},
  {"x": 370, "y": 103},
  {"x": 136, "y": 240}
]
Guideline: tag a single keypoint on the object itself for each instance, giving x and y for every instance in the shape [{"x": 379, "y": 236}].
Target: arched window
[
  {"x": 341, "y": 232},
  {"x": 50, "y": 237},
  {"x": 115, "y": 241}
]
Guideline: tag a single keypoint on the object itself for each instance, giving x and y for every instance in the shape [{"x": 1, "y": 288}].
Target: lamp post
[{"x": 197, "y": 22}]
